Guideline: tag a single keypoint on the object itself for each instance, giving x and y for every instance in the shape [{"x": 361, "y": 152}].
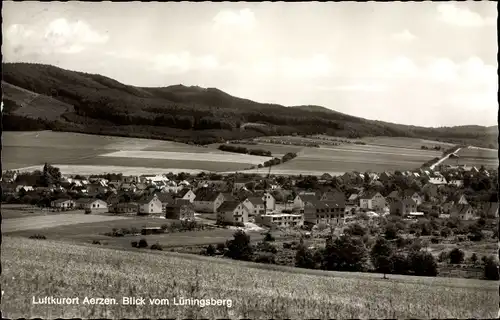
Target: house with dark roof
[
  {"x": 255, "y": 206},
  {"x": 91, "y": 205},
  {"x": 463, "y": 212},
  {"x": 232, "y": 212},
  {"x": 186, "y": 194},
  {"x": 329, "y": 212},
  {"x": 335, "y": 195},
  {"x": 150, "y": 205},
  {"x": 372, "y": 200},
  {"x": 301, "y": 199},
  {"x": 207, "y": 200},
  {"x": 180, "y": 209},
  {"x": 403, "y": 207}
]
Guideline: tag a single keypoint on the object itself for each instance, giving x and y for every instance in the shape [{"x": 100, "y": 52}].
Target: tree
[
  {"x": 456, "y": 256},
  {"x": 391, "y": 231},
  {"x": 422, "y": 263},
  {"x": 473, "y": 258},
  {"x": 356, "y": 230},
  {"x": 210, "y": 250},
  {"x": 491, "y": 268},
  {"x": 304, "y": 258},
  {"x": 381, "y": 256},
  {"x": 239, "y": 247},
  {"x": 345, "y": 254},
  {"x": 269, "y": 237},
  {"x": 400, "y": 264}
]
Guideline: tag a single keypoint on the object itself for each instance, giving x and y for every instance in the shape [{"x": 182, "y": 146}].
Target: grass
[
  {"x": 47, "y": 268},
  {"x": 51, "y": 221},
  {"x": 10, "y": 211}
]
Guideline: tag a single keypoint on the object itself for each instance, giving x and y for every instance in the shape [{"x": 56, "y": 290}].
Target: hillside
[
  {"x": 41, "y": 268},
  {"x": 90, "y": 103}
]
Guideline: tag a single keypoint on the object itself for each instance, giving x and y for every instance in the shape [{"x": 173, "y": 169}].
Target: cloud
[
  {"x": 317, "y": 65},
  {"x": 404, "y": 36},
  {"x": 59, "y": 36},
  {"x": 244, "y": 18},
  {"x": 452, "y": 14},
  {"x": 399, "y": 67},
  {"x": 175, "y": 63},
  {"x": 358, "y": 87}
]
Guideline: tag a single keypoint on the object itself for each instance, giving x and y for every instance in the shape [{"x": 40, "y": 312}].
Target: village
[{"x": 271, "y": 201}]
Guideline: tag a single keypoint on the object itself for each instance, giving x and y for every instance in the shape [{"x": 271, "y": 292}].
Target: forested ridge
[{"x": 101, "y": 105}]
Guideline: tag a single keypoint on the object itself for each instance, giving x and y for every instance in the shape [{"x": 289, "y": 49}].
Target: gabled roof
[
  {"x": 179, "y": 203},
  {"x": 369, "y": 194},
  {"x": 308, "y": 197},
  {"x": 61, "y": 200},
  {"x": 334, "y": 195},
  {"x": 146, "y": 200},
  {"x": 228, "y": 206},
  {"x": 353, "y": 196},
  {"x": 181, "y": 193},
  {"x": 409, "y": 201},
  {"x": 394, "y": 194},
  {"x": 165, "y": 197},
  {"x": 87, "y": 200},
  {"x": 461, "y": 208},
  {"x": 228, "y": 197},
  {"x": 408, "y": 193},
  {"x": 256, "y": 201},
  {"x": 206, "y": 194},
  {"x": 325, "y": 204}
]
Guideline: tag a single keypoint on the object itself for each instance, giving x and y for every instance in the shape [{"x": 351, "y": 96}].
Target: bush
[
  {"x": 164, "y": 227},
  {"x": 142, "y": 243},
  {"x": 345, "y": 254},
  {"x": 434, "y": 240},
  {"x": 445, "y": 232},
  {"x": 422, "y": 263},
  {"x": 239, "y": 247},
  {"x": 456, "y": 256},
  {"x": 391, "y": 231},
  {"x": 38, "y": 236},
  {"x": 355, "y": 230},
  {"x": 443, "y": 256},
  {"x": 266, "y": 247},
  {"x": 265, "y": 257},
  {"x": 304, "y": 258},
  {"x": 400, "y": 264},
  {"x": 491, "y": 269},
  {"x": 221, "y": 247},
  {"x": 473, "y": 258},
  {"x": 269, "y": 237},
  {"x": 156, "y": 246},
  {"x": 96, "y": 242},
  {"x": 210, "y": 250},
  {"x": 134, "y": 244},
  {"x": 287, "y": 245}
]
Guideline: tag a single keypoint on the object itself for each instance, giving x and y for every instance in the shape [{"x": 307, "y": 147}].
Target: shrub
[
  {"x": 266, "y": 247},
  {"x": 156, "y": 246},
  {"x": 400, "y": 264},
  {"x": 287, "y": 245},
  {"x": 134, "y": 230},
  {"x": 381, "y": 255},
  {"x": 434, "y": 240},
  {"x": 391, "y": 231},
  {"x": 96, "y": 242},
  {"x": 355, "y": 230},
  {"x": 422, "y": 263},
  {"x": 269, "y": 237},
  {"x": 134, "y": 244},
  {"x": 345, "y": 254},
  {"x": 456, "y": 256},
  {"x": 210, "y": 250},
  {"x": 491, "y": 269},
  {"x": 239, "y": 247},
  {"x": 445, "y": 232},
  {"x": 265, "y": 257},
  {"x": 164, "y": 227},
  {"x": 38, "y": 236},
  {"x": 221, "y": 247},
  {"x": 142, "y": 243},
  {"x": 304, "y": 258},
  {"x": 473, "y": 258},
  {"x": 443, "y": 256}
]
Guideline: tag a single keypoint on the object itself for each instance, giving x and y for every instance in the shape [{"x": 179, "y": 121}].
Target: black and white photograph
[{"x": 249, "y": 160}]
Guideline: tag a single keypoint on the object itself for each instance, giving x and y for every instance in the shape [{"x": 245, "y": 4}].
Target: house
[
  {"x": 301, "y": 199},
  {"x": 457, "y": 198},
  {"x": 352, "y": 200},
  {"x": 149, "y": 205},
  {"x": 207, "y": 200},
  {"x": 96, "y": 188},
  {"x": 326, "y": 177},
  {"x": 403, "y": 207},
  {"x": 255, "y": 206},
  {"x": 239, "y": 184},
  {"x": 351, "y": 177},
  {"x": 165, "y": 199},
  {"x": 335, "y": 195},
  {"x": 411, "y": 194},
  {"x": 180, "y": 209},
  {"x": 9, "y": 176},
  {"x": 329, "y": 212},
  {"x": 128, "y": 187},
  {"x": 186, "y": 194},
  {"x": 462, "y": 211},
  {"x": 431, "y": 191},
  {"x": 281, "y": 220},
  {"x": 269, "y": 201},
  {"x": 372, "y": 200},
  {"x": 91, "y": 205},
  {"x": 232, "y": 212},
  {"x": 63, "y": 204},
  {"x": 456, "y": 183},
  {"x": 124, "y": 208},
  {"x": 437, "y": 180}
]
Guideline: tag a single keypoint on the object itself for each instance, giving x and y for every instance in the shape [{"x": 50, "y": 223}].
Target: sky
[{"x": 418, "y": 63}]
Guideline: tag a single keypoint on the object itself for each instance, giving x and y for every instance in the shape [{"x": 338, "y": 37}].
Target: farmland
[
  {"x": 476, "y": 157},
  {"x": 26, "y": 149},
  {"x": 47, "y": 268}
]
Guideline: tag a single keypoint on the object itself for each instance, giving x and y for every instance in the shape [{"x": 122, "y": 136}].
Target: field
[
  {"x": 45, "y": 268},
  {"x": 51, "y": 221},
  {"x": 476, "y": 157},
  {"x": 27, "y": 149}
]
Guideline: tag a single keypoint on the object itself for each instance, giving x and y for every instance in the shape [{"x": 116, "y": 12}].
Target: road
[{"x": 443, "y": 159}]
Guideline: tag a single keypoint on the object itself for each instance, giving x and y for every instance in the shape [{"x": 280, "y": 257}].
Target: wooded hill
[{"x": 38, "y": 97}]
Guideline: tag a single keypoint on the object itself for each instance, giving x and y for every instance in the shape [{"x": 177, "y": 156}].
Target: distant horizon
[
  {"x": 435, "y": 65},
  {"x": 262, "y": 102}
]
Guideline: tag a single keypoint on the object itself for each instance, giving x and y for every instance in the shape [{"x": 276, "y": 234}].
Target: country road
[{"x": 443, "y": 159}]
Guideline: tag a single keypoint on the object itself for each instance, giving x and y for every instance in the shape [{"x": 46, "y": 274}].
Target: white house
[
  {"x": 372, "y": 200},
  {"x": 270, "y": 201},
  {"x": 63, "y": 204},
  {"x": 186, "y": 194},
  {"x": 301, "y": 199},
  {"x": 254, "y": 205},
  {"x": 207, "y": 200},
  {"x": 232, "y": 212},
  {"x": 91, "y": 205},
  {"x": 150, "y": 205}
]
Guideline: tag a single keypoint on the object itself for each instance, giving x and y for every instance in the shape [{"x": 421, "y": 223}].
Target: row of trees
[{"x": 243, "y": 150}]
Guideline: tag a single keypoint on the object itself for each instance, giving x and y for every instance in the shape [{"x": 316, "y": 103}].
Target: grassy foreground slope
[{"x": 46, "y": 268}]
